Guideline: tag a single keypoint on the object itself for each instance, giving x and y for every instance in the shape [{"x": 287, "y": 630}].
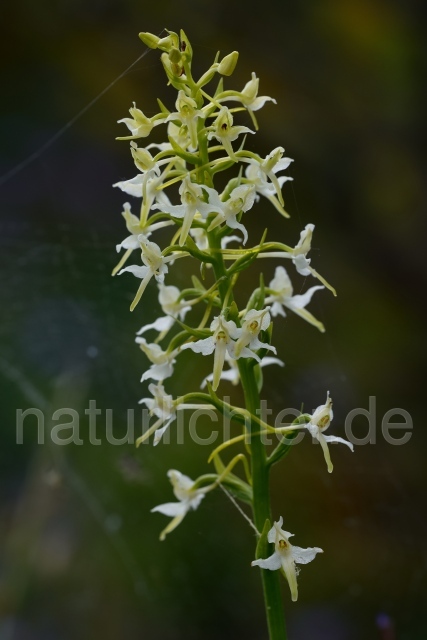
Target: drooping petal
[
  {"x": 341, "y": 440},
  {"x": 323, "y": 443},
  {"x": 172, "y": 525},
  {"x": 220, "y": 351},
  {"x": 306, "y": 315},
  {"x": 288, "y": 566}
]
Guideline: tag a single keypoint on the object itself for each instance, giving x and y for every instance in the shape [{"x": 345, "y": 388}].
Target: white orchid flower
[
  {"x": 188, "y": 114},
  {"x": 220, "y": 343},
  {"x": 164, "y": 407},
  {"x": 146, "y": 186},
  {"x": 233, "y": 375},
  {"x": 192, "y": 198},
  {"x": 189, "y": 499},
  {"x": 172, "y": 306},
  {"x": 143, "y": 159},
  {"x": 298, "y": 255},
  {"x": 319, "y": 422},
  {"x": 286, "y": 556},
  {"x": 241, "y": 200},
  {"x": 162, "y": 361},
  {"x": 155, "y": 264},
  {"x": 224, "y": 131},
  {"x": 131, "y": 242},
  {"x": 248, "y": 97},
  {"x": 258, "y": 173},
  {"x": 139, "y": 125},
  {"x": 281, "y": 296},
  {"x": 223, "y": 341},
  {"x": 247, "y": 336},
  {"x": 180, "y": 135},
  {"x": 133, "y": 226}
]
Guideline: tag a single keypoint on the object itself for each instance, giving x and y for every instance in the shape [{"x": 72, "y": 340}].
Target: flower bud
[
  {"x": 173, "y": 71},
  {"x": 228, "y": 64},
  {"x": 165, "y": 44},
  {"x": 185, "y": 46},
  {"x": 272, "y": 159},
  {"x": 149, "y": 39},
  {"x": 175, "y": 55},
  {"x": 142, "y": 157}
]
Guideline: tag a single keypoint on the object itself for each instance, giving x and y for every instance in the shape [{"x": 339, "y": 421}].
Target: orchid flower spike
[
  {"x": 189, "y": 499},
  {"x": 281, "y": 291},
  {"x": 319, "y": 422},
  {"x": 286, "y": 556}
]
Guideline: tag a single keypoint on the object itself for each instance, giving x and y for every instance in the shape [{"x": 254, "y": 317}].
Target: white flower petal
[
  {"x": 171, "y": 509},
  {"x": 273, "y": 563},
  {"x": 341, "y": 440},
  {"x": 304, "y": 556},
  {"x": 138, "y": 271},
  {"x": 205, "y": 347},
  {"x": 302, "y": 301},
  {"x": 161, "y": 324}
]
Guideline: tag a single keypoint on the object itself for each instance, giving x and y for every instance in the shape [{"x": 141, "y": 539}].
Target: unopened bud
[
  {"x": 228, "y": 64},
  {"x": 273, "y": 158},
  {"x": 142, "y": 157},
  {"x": 175, "y": 56},
  {"x": 185, "y": 46},
  {"x": 150, "y": 39}
]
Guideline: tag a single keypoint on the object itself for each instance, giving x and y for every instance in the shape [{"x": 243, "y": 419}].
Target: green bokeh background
[{"x": 80, "y": 556}]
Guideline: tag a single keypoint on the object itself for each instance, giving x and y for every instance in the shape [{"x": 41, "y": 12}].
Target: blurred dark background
[{"x": 80, "y": 556}]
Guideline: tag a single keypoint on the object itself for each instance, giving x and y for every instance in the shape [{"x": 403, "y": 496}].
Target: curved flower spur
[{"x": 204, "y": 135}]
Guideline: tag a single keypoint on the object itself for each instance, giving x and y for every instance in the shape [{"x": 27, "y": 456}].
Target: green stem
[{"x": 260, "y": 468}]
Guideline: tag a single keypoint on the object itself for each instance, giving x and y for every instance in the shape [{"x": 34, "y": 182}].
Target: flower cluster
[{"x": 183, "y": 214}]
